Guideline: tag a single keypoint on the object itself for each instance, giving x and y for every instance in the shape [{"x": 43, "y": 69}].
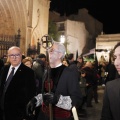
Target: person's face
[
  {"x": 83, "y": 74},
  {"x": 65, "y": 63},
  {"x": 43, "y": 59},
  {"x": 80, "y": 60},
  {"x": 117, "y": 59},
  {"x": 14, "y": 56},
  {"x": 28, "y": 63},
  {"x": 54, "y": 56}
]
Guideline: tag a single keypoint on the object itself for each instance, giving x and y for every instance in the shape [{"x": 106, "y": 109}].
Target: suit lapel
[
  {"x": 15, "y": 77},
  {"x": 5, "y": 74},
  {"x": 18, "y": 70}
]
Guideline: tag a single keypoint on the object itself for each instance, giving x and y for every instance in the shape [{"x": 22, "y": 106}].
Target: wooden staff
[{"x": 47, "y": 43}]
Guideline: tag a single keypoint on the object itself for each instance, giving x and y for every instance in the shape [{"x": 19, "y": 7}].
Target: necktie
[
  {"x": 9, "y": 79},
  {"x": 6, "y": 86}
]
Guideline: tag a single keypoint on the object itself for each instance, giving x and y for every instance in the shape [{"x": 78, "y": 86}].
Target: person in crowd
[
  {"x": 111, "y": 102},
  {"x": 83, "y": 88},
  {"x": 39, "y": 67},
  {"x": 72, "y": 64},
  {"x": 89, "y": 82},
  {"x": 99, "y": 73},
  {"x": 64, "y": 91},
  {"x": 23, "y": 56},
  {"x": 111, "y": 71},
  {"x": 80, "y": 62},
  {"x": 7, "y": 61},
  {"x": 96, "y": 78},
  {"x": 103, "y": 73},
  {"x": 65, "y": 62},
  {"x": 71, "y": 61},
  {"x": 27, "y": 61},
  {"x": 4, "y": 58},
  {"x": 17, "y": 87}
]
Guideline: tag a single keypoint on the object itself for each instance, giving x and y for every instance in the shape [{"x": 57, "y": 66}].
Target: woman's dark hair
[
  {"x": 70, "y": 56},
  {"x": 82, "y": 71},
  {"x": 117, "y": 45}
]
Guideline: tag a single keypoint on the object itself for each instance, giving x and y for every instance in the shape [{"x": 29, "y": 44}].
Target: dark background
[{"x": 106, "y": 11}]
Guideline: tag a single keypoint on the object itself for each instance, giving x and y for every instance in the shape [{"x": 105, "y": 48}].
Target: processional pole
[{"x": 47, "y": 43}]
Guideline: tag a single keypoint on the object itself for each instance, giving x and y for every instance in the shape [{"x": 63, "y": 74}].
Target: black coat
[
  {"x": 111, "y": 101},
  {"x": 38, "y": 68},
  {"x": 68, "y": 85},
  {"x": 20, "y": 90},
  {"x": 65, "y": 83}
]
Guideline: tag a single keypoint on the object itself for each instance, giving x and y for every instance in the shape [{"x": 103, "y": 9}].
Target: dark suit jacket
[
  {"x": 20, "y": 90},
  {"x": 111, "y": 101}
]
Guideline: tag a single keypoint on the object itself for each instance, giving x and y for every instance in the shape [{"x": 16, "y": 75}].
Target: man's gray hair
[
  {"x": 61, "y": 48},
  {"x": 14, "y": 47}
]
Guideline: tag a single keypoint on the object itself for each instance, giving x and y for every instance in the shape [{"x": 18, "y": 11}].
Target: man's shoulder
[
  {"x": 70, "y": 70},
  {"x": 113, "y": 83},
  {"x": 67, "y": 68},
  {"x": 112, "y": 88}
]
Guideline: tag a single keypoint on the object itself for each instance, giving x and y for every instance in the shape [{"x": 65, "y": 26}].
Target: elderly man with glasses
[
  {"x": 17, "y": 87},
  {"x": 65, "y": 90}
]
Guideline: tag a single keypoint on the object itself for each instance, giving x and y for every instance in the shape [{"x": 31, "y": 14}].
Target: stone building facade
[
  {"x": 75, "y": 35},
  {"x": 30, "y": 16}
]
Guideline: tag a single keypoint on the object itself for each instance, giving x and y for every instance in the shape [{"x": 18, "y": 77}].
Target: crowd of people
[
  {"x": 88, "y": 79},
  {"x": 38, "y": 89}
]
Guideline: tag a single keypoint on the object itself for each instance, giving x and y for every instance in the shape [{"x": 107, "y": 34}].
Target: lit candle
[{"x": 75, "y": 113}]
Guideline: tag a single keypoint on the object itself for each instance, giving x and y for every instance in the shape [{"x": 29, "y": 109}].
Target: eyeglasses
[
  {"x": 14, "y": 55},
  {"x": 53, "y": 50}
]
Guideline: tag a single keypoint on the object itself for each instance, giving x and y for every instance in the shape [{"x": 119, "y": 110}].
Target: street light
[{"x": 62, "y": 39}]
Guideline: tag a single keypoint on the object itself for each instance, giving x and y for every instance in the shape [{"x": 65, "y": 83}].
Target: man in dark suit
[
  {"x": 111, "y": 101},
  {"x": 21, "y": 88}
]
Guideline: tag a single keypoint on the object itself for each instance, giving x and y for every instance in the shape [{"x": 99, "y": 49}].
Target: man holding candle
[{"x": 65, "y": 90}]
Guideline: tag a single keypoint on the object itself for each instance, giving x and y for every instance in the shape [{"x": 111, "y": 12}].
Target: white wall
[{"x": 76, "y": 36}]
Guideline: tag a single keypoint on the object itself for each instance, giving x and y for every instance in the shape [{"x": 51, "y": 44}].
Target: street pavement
[{"x": 93, "y": 113}]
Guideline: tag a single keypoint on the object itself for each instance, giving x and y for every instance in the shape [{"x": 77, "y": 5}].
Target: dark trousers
[
  {"x": 89, "y": 95},
  {"x": 95, "y": 94},
  {"x": 83, "y": 102}
]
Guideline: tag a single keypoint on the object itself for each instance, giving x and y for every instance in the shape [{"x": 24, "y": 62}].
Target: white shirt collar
[
  {"x": 11, "y": 69},
  {"x": 16, "y": 67},
  {"x": 58, "y": 65}
]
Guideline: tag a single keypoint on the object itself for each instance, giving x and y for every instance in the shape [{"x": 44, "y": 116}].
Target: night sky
[{"x": 106, "y": 11}]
